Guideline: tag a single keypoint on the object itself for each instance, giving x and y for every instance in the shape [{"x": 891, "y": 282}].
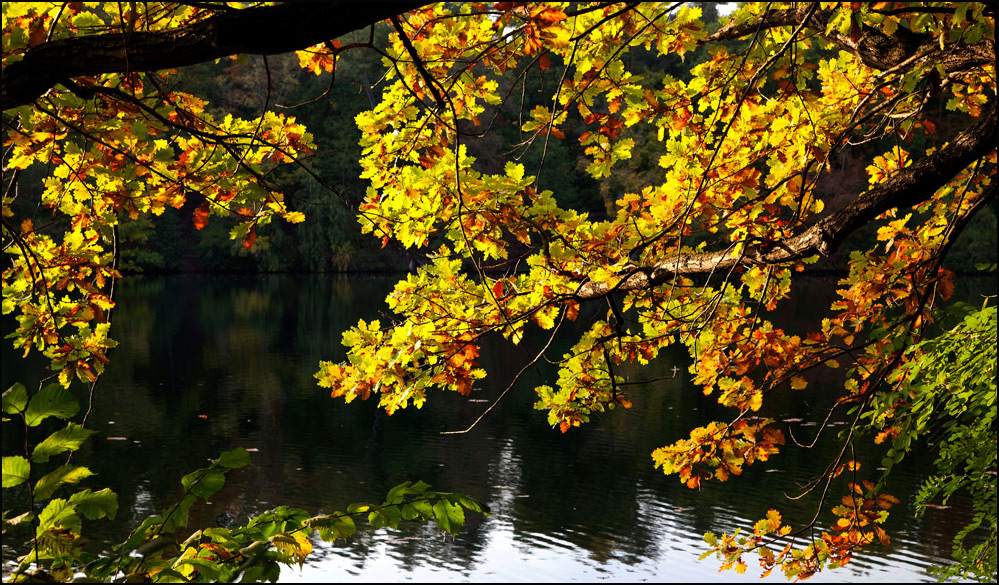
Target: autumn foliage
[{"x": 700, "y": 257}]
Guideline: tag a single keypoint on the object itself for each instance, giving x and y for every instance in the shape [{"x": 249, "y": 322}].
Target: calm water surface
[{"x": 209, "y": 363}]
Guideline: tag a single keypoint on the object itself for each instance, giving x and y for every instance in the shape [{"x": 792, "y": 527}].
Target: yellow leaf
[
  {"x": 773, "y": 519},
  {"x": 294, "y": 217}
]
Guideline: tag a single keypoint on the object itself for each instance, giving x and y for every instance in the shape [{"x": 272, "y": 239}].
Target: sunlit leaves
[
  {"x": 15, "y": 471},
  {"x": 948, "y": 384},
  {"x": 719, "y": 450},
  {"x": 861, "y": 514},
  {"x": 68, "y": 438},
  {"x": 448, "y": 515},
  {"x": 117, "y": 146},
  {"x": 744, "y": 142},
  {"x": 57, "y": 527},
  {"x": 747, "y": 148},
  {"x": 884, "y": 166},
  {"x": 47, "y": 485},
  {"x": 320, "y": 58},
  {"x": 15, "y": 399},
  {"x": 52, "y": 400},
  {"x": 295, "y": 546}
]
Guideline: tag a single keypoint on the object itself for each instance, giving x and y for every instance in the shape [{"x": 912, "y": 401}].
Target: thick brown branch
[
  {"x": 911, "y": 186},
  {"x": 874, "y": 48},
  {"x": 264, "y": 30}
]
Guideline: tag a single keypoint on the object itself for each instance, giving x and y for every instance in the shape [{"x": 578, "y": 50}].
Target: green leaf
[
  {"x": 65, "y": 474},
  {"x": 449, "y": 517},
  {"x": 420, "y": 509},
  {"x": 207, "y": 570},
  {"x": 389, "y": 515},
  {"x": 103, "y": 568},
  {"x": 15, "y": 399},
  {"x": 238, "y": 457},
  {"x": 204, "y": 482},
  {"x": 138, "y": 535},
  {"x": 58, "y": 513},
  {"x": 86, "y": 19},
  {"x": 170, "y": 576},
  {"x": 66, "y": 439},
  {"x": 15, "y": 471},
  {"x": 96, "y": 505},
  {"x": 332, "y": 527},
  {"x": 221, "y": 536},
  {"x": 53, "y": 400},
  {"x": 179, "y": 514},
  {"x": 467, "y": 502},
  {"x": 398, "y": 493},
  {"x": 264, "y": 571}
]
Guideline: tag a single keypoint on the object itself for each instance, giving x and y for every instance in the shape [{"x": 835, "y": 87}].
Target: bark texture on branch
[
  {"x": 264, "y": 30},
  {"x": 874, "y": 48},
  {"x": 911, "y": 186}
]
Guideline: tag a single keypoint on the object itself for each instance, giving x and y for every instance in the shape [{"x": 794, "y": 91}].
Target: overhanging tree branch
[
  {"x": 911, "y": 186},
  {"x": 265, "y": 30},
  {"x": 874, "y": 48}
]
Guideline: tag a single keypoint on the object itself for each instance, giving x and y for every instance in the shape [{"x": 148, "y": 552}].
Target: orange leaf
[
  {"x": 201, "y": 215},
  {"x": 250, "y": 238},
  {"x": 551, "y": 16}
]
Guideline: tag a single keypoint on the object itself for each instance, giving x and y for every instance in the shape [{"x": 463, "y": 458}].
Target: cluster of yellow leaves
[
  {"x": 132, "y": 149},
  {"x": 736, "y": 163},
  {"x": 400, "y": 363},
  {"x": 861, "y": 514},
  {"x": 319, "y": 59},
  {"x": 587, "y": 382},
  {"x": 719, "y": 450}
]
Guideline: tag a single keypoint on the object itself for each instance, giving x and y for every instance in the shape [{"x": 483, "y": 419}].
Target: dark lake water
[{"x": 209, "y": 363}]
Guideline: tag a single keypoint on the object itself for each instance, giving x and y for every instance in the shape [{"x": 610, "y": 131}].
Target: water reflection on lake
[{"x": 207, "y": 364}]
